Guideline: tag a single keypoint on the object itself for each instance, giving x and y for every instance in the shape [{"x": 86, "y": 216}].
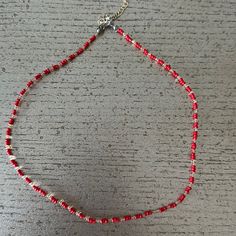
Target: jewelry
[{"x": 103, "y": 23}]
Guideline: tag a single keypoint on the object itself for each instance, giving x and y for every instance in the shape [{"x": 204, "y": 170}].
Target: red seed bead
[
  {"x": 160, "y": 62},
  {"x": 193, "y": 146},
  {"x": 64, "y": 205},
  {"x": 192, "y": 156},
  {"x": 42, "y": 192},
  {"x": 138, "y": 45},
  {"x": 192, "y": 96},
  {"x": 86, "y": 45},
  {"x": 72, "y": 57},
  {"x": 181, "y": 81},
  {"x": 162, "y": 209},
  {"x": 36, "y": 188},
  {"x": 145, "y": 51},
  {"x": 53, "y": 200},
  {"x": 104, "y": 221},
  {"x": 195, "y": 135},
  {"x": 30, "y": 83},
  {"x": 81, "y": 215},
  {"x": 39, "y": 190},
  {"x": 20, "y": 173},
  {"x": 92, "y": 39},
  {"x": 174, "y": 74},
  {"x": 13, "y": 112},
  {"x": 172, "y": 205},
  {"x": 80, "y": 51},
  {"x": 181, "y": 197},
  {"x": 195, "y": 124},
  {"x": 167, "y": 67},
  {"x": 148, "y": 213},
  {"x": 188, "y": 189},
  {"x": 195, "y": 106},
  {"x": 128, "y": 38},
  {"x": 120, "y": 31},
  {"x": 11, "y": 121},
  {"x": 28, "y": 180},
  {"x": 138, "y": 216},
  {"x": 191, "y": 179},
  {"x": 47, "y": 71},
  {"x": 72, "y": 210},
  {"x": 8, "y": 131},
  {"x": 38, "y": 76},
  {"x": 22, "y": 92},
  {"x": 92, "y": 221},
  {"x": 9, "y": 152},
  {"x": 14, "y": 163},
  {"x": 64, "y": 62},
  {"x": 56, "y": 67},
  {"x": 195, "y": 116},
  {"x": 8, "y": 142},
  {"x": 115, "y": 219},
  {"x": 17, "y": 102},
  {"x": 188, "y": 89},
  {"x": 193, "y": 168},
  {"x": 128, "y": 217},
  {"x": 152, "y": 57}
]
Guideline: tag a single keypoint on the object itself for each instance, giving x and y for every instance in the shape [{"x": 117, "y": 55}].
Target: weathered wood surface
[{"x": 111, "y": 133}]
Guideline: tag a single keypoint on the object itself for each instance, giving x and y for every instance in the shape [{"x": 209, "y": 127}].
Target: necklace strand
[{"x": 38, "y": 77}]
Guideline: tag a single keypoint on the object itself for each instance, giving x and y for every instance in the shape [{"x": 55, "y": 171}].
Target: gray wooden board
[{"x": 111, "y": 132}]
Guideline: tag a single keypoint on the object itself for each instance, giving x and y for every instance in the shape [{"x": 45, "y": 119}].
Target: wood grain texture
[{"x": 110, "y": 132}]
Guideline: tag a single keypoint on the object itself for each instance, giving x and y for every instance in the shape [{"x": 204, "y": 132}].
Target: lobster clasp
[{"x": 103, "y": 22}]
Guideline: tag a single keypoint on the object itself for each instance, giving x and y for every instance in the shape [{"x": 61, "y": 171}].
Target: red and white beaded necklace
[{"x": 103, "y": 23}]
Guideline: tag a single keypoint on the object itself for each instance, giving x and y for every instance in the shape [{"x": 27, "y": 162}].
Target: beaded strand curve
[{"x": 64, "y": 204}]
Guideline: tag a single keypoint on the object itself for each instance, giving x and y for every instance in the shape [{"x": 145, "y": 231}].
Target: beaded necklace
[{"x": 106, "y": 21}]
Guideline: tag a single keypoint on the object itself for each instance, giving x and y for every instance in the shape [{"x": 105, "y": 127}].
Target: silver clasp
[{"x": 103, "y": 22}]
